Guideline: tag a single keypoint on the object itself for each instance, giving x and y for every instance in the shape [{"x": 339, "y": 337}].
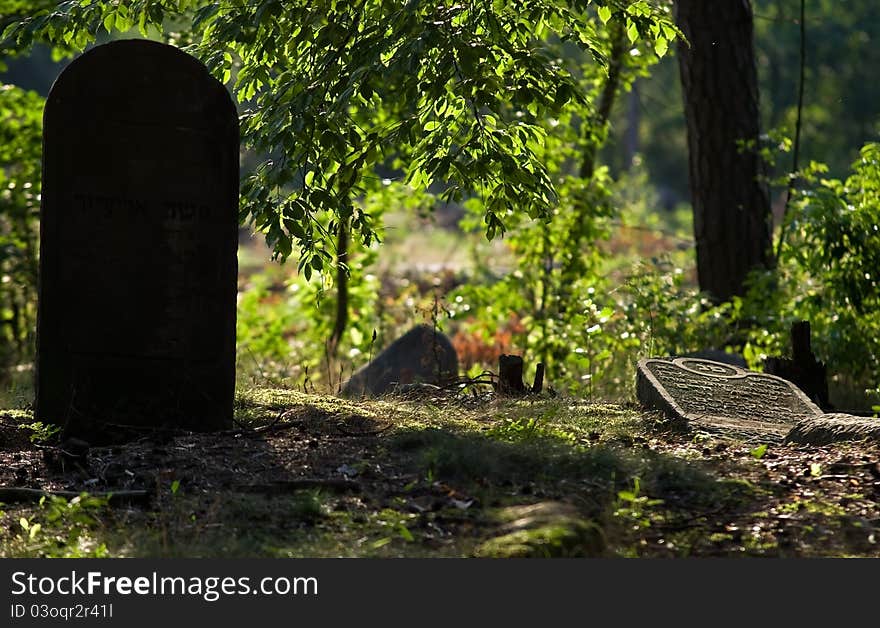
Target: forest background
[{"x": 600, "y": 271}]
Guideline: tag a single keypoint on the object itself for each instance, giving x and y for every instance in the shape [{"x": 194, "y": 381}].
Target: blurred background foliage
[{"x": 606, "y": 279}]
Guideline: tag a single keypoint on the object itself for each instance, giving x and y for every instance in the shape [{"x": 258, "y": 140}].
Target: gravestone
[
  {"x": 422, "y": 354},
  {"x": 138, "y": 267},
  {"x": 834, "y": 427},
  {"x": 713, "y": 394}
]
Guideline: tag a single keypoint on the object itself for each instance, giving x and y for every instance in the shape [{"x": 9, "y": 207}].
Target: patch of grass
[
  {"x": 547, "y": 541},
  {"x": 259, "y": 406},
  {"x": 17, "y": 416},
  {"x": 543, "y": 530},
  {"x": 823, "y": 507},
  {"x": 56, "y": 528},
  {"x": 17, "y": 389},
  {"x": 40, "y": 432},
  {"x": 511, "y": 478},
  {"x": 227, "y": 524}
]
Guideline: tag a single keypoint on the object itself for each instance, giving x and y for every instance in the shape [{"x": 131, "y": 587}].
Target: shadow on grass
[
  {"x": 484, "y": 486},
  {"x": 551, "y": 462},
  {"x": 593, "y": 500}
]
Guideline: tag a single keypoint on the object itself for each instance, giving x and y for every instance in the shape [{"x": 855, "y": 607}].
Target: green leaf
[
  {"x": 604, "y": 14},
  {"x": 294, "y": 228},
  {"x": 668, "y": 31},
  {"x": 109, "y": 22},
  {"x": 123, "y": 18},
  {"x": 405, "y": 533},
  {"x": 175, "y": 486},
  {"x": 632, "y": 31},
  {"x": 759, "y": 451},
  {"x": 661, "y": 46}
]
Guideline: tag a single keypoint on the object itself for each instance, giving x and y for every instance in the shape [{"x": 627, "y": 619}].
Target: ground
[{"x": 440, "y": 475}]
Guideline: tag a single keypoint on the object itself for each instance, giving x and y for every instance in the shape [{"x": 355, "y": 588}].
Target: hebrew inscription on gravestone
[
  {"x": 138, "y": 268},
  {"x": 710, "y": 393}
]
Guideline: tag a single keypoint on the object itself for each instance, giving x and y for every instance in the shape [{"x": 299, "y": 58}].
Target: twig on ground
[{"x": 11, "y": 494}]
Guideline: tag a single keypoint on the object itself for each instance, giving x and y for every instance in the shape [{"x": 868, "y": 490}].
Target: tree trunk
[
  {"x": 599, "y": 123},
  {"x": 732, "y": 219},
  {"x": 341, "y": 321}
]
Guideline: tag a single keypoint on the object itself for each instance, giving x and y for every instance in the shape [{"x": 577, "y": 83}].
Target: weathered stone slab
[
  {"x": 422, "y": 354},
  {"x": 704, "y": 392},
  {"x": 138, "y": 267},
  {"x": 832, "y": 428}
]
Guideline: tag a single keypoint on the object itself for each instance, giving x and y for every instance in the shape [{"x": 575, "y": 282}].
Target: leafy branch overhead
[{"x": 457, "y": 93}]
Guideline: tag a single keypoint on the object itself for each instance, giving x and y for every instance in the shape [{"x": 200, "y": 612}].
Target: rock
[
  {"x": 833, "y": 428},
  {"x": 421, "y": 355},
  {"x": 544, "y": 530}
]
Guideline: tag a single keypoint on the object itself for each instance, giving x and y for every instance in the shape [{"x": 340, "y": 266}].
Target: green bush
[{"x": 20, "y": 148}]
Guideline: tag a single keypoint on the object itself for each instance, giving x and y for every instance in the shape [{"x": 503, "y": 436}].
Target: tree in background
[
  {"x": 457, "y": 93},
  {"x": 841, "y": 95},
  {"x": 548, "y": 300},
  {"x": 732, "y": 220},
  {"x": 20, "y": 140},
  {"x": 21, "y": 115}
]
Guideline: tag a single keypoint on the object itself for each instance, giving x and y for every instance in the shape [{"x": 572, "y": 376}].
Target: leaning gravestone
[
  {"x": 138, "y": 268},
  {"x": 422, "y": 354},
  {"x": 713, "y": 394}
]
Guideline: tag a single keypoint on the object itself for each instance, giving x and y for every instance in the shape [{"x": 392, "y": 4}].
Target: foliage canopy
[
  {"x": 334, "y": 92},
  {"x": 20, "y": 136}
]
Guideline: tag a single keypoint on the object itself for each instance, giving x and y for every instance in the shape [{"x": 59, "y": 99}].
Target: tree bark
[
  {"x": 732, "y": 219},
  {"x": 341, "y": 320},
  {"x": 599, "y": 122}
]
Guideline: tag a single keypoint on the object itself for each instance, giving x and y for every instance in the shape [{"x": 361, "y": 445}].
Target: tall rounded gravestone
[{"x": 138, "y": 241}]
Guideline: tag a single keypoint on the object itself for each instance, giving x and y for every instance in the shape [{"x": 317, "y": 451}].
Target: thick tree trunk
[{"x": 732, "y": 219}]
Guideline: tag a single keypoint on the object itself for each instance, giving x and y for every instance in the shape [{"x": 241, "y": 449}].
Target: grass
[{"x": 548, "y": 477}]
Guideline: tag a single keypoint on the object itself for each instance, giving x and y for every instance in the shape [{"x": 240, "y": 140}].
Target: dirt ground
[{"x": 303, "y": 475}]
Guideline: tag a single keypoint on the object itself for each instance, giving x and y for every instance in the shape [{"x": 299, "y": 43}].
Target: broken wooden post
[
  {"x": 801, "y": 346},
  {"x": 538, "y": 385},
  {"x": 803, "y": 369},
  {"x": 510, "y": 375}
]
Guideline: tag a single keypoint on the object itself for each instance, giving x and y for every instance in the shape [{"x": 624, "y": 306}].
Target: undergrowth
[{"x": 434, "y": 480}]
